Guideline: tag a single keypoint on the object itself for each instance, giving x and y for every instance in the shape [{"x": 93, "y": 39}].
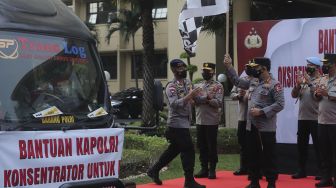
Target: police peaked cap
[
  {"x": 314, "y": 60},
  {"x": 209, "y": 66},
  {"x": 330, "y": 58},
  {"x": 263, "y": 61},
  {"x": 177, "y": 63}
]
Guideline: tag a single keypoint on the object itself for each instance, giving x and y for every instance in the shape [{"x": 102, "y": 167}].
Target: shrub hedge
[
  {"x": 227, "y": 142},
  {"x": 141, "y": 151}
]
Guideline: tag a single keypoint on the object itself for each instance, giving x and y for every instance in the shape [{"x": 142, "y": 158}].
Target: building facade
[{"x": 117, "y": 54}]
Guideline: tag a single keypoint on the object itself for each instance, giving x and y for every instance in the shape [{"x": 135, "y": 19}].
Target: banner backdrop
[
  {"x": 287, "y": 43},
  {"x": 52, "y": 158}
]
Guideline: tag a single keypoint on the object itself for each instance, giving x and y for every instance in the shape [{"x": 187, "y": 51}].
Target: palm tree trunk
[
  {"x": 148, "y": 76},
  {"x": 135, "y": 68}
]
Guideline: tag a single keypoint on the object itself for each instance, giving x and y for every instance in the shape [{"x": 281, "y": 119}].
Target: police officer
[
  {"x": 180, "y": 94},
  {"x": 241, "y": 95},
  {"x": 308, "y": 112},
  {"x": 326, "y": 93},
  {"x": 267, "y": 99},
  {"x": 207, "y": 119}
]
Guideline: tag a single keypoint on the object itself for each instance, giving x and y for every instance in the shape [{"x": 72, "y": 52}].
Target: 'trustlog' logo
[{"x": 8, "y": 49}]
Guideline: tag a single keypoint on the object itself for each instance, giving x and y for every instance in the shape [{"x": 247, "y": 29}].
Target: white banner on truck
[{"x": 53, "y": 158}]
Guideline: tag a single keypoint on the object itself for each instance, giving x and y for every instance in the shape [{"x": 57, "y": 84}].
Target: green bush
[
  {"x": 197, "y": 80},
  {"x": 227, "y": 142},
  {"x": 139, "y": 153},
  {"x": 133, "y": 162}
]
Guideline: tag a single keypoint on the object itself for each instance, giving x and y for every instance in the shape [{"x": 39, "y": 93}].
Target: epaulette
[
  {"x": 169, "y": 83},
  {"x": 218, "y": 82}
]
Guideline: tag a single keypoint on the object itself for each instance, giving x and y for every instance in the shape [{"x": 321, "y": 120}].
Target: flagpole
[{"x": 227, "y": 29}]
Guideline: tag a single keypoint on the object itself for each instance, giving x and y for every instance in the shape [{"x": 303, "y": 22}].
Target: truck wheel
[{"x": 158, "y": 96}]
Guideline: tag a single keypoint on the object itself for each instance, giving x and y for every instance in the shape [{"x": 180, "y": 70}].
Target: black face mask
[
  {"x": 206, "y": 76},
  {"x": 256, "y": 73},
  {"x": 310, "y": 70},
  {"x": 325, "y": 69},
  {"x": 248, "y": 71},
  {"x": 182, "y": 74}
]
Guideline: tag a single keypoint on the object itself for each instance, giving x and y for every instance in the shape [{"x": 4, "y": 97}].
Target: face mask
[
  {"x": 325, "y": 69},
  {"x": 182, "y": 74},
  {"x": 256, "y": 73},
  {"x": 206, "y": 75},
  {"x": 310, "y": 70},
  {"x": 248, "y": 71}
]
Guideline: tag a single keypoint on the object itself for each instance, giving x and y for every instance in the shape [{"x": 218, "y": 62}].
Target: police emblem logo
[{"x": 278, "y": 87}]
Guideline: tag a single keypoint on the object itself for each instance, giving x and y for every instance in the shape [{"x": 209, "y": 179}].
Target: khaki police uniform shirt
[
  {"x": 209, "y": 113},
  {"x": 308, "y": 108},
  {"x": 267, "y": 96},
  {"x": 179, "y": 111},
  {"x": 327, "y": 108}
]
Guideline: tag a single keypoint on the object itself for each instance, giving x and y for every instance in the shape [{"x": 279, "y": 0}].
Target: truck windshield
[{"x": 40, "y": 72}]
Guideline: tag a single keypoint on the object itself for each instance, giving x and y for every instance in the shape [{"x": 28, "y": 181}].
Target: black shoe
[
  {"x": 240, "y": 172},
  {"x": 193, "y": 184},
  {"x": 249, "y": 178},
  {"x": 271, "y": 185},
  {"x": 203, "y": 173},
  {"x": 212, "y": 174},
  {"x": 155, "y": 176},
  {"x": 253, "y": 185},
  {"x": 299, "y": 175},
  {"x": 324, "y": 183}
]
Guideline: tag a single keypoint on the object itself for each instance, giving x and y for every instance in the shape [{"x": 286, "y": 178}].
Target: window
[
  {"x": 110, "y": 64},
  {"x": 159, "y": 9},
  {"x": 98, "y": 12},
  {"x": 159, "y": 65},
  {"x": 159, "y": 13}
]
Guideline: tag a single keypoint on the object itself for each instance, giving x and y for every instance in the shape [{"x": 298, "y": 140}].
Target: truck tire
[{"x": 158, "y": 96}]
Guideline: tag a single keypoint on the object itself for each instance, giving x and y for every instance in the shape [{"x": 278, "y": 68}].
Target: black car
[{"x": 127, "y": 103}]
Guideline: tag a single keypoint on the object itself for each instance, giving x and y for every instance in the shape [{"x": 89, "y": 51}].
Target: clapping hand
[
  {"x": 321, "y": 92},
  {"x": 241, "y": 93},
  {"x": 255, "y": 112}
]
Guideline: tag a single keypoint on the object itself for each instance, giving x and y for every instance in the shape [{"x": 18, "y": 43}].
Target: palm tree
[
  {"x": 146, "y": 7},
  {"x": 214, "y": 24},
  {"x": 145, "y": 12},
  {"x": 128, "y": 23},
  {"x": 190, "y": 67}
]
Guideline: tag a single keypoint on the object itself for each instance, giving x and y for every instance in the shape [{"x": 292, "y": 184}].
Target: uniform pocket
[{"x": 264, "y": 92}]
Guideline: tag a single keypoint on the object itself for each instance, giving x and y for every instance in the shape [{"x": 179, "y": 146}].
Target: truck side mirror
[{"x": 107, "y": 75}]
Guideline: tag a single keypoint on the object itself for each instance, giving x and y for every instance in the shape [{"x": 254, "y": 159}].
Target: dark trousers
[
  {"x": 261, "y": 154},
  {"x": 207, "y": 144},
  {"x": 180, "y": 142},
  {"x": 327, "y": 143},
  {"x": 241, "y": 134},
  {"x": 306, "y": 128}
]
